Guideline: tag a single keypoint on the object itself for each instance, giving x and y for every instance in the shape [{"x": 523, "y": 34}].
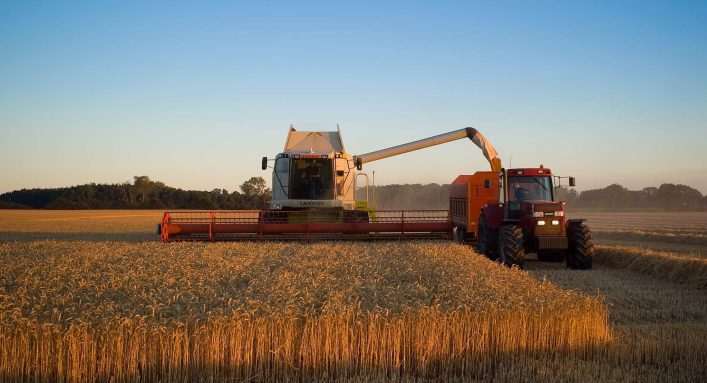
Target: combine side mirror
[
  {"x": 487, "y": 184},
  {"x": 265, "y": 163},
  {"x": 572, "y": 183}
]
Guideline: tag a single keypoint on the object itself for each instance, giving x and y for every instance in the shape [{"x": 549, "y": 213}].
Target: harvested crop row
[
  {"x": 89, "y": 225},
  {"x": 640, "y": 235},
  {"x": 275, "y": 311},
  {"x": 649, "y": 221},
  {"x": 679, "y": 268}
]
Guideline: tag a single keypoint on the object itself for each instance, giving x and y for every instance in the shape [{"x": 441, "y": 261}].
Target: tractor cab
[
  {"x": 526, "y": 188},
  {"x": 527, "y": 218},
  {"x": 529, "y": 197}
]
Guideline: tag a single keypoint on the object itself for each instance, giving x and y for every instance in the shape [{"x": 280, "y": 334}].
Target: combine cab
[
  {"x": 514, "y": 212},
  {"x": 315, "y": 172}
]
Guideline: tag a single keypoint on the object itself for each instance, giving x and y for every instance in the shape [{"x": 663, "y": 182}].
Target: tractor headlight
[
  {"x": 541, "y": 223},
  {"x": 555, "y": 222},
  {"x": 560, "y": 213},
  {"x": 276, "y": 206},
  {"x": 538, "y": 214}
]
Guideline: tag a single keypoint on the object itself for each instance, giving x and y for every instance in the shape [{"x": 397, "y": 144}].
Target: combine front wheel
[
  {"x": 510, "y": 246},
  {"x": 581, "y": 251}
]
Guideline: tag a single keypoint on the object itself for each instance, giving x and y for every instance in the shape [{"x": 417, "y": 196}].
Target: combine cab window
[
  {"x": 529, "y": 188},
  {"x": 312, "y": 179}
]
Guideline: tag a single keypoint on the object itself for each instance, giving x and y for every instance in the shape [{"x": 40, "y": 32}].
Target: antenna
[{"x": 510, "y": 162}]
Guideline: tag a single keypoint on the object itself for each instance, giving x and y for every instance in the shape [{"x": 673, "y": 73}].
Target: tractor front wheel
[
  {"x": 487, "y": 239},
  {"x": 581, "y": 249},
  {"x": 510, "y": 246}
]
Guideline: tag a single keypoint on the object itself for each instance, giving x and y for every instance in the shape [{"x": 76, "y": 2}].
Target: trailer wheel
[
  {"x": 510, "y": 246},
  {"x": 487, "y": 239},
  {"x": 459, "y": 235},
  {"x": 581, "y": 249}
]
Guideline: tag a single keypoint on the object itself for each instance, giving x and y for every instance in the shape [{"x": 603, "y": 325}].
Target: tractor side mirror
[
  {"x": 487, "y": 184},
  {"x": 572, "y": 183},
  {"x": 265, "y": 163}
]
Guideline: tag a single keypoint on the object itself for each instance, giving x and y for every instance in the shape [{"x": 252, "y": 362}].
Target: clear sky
[{"x": 195, "y": 93}]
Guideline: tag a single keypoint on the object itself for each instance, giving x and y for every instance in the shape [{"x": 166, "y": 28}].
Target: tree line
[
  {"x": 666, "y": 197},
  {"x": 144, "y": 193}
]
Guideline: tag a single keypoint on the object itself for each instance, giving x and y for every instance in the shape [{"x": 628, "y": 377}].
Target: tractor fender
[
  {"x": 576, "y": 220},
  {"x": 494, "y": 215}
]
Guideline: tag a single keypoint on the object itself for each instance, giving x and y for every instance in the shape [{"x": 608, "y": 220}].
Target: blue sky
[{"x": 193, "y": 94}]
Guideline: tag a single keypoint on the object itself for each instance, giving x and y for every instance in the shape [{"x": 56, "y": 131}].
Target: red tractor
[{"x": 514, "y": 212}]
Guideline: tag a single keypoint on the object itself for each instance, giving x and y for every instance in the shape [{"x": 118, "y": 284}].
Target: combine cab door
[
  {"x": 281, "y": 179},
  {"x": 344, "y": 180}
]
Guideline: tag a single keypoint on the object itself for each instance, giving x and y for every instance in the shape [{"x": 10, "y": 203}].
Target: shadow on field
[
  {"x": 513, "y": 365},
  {"x": 8, "y": 236},
  {"x": 532, "y": 263}
]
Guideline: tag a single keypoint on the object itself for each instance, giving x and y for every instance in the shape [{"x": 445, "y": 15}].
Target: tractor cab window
[
  {"x": 312, "y": 179},
  {"x": 529, "y": 188}
]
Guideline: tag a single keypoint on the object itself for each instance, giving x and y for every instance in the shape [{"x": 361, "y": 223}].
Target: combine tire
[
  {"x": 356, "y": 216},
  {"x": 487, "y": 240},
  {"x": 581, "y": 250},
  {"x": 510, "y": 246}
]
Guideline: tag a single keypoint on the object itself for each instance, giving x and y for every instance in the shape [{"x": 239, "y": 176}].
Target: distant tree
[
  {"x": 13, "y": 205},
  {"x": 613, "y": 196},
  {"x": 564, "y": 194},
  {"x": 650, "y": 192},
  {"x": 678, "y": 197},
  {"x": 256, "y": 193}
]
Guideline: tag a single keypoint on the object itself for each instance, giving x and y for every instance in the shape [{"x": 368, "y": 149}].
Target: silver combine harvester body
[{"x": 314, "y": 171}]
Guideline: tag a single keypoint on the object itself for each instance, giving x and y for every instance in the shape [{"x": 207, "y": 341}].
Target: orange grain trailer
[{"x": 468, "y": 194}]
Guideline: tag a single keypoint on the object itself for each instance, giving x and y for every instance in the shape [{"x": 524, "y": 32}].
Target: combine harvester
[{"x": 316, "y": 182}]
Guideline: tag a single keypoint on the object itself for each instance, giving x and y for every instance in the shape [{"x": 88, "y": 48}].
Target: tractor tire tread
[
  {"x": 581, "y": 249},
  {"x": 511, "y": 245}
]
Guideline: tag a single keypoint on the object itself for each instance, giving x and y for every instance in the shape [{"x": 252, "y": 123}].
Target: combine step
[{"x": 238, "y": 225}]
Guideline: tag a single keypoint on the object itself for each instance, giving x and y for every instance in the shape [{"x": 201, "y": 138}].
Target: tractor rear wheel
[
  {"x": 581, "y": 246},
  {"x": 487, "y": 239},
  {"x": 510, "y": 246}
]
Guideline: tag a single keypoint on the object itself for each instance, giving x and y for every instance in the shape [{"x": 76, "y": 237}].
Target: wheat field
[{"x": 92, "y": 296}]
